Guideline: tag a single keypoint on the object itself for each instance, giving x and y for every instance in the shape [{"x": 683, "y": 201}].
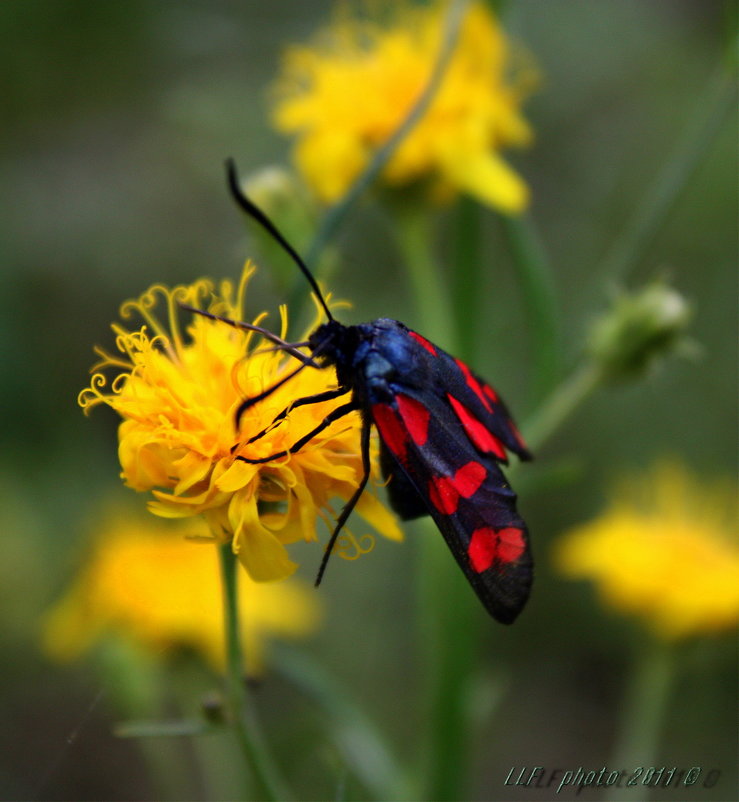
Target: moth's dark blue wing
[
  {"x": 434, "y": 461},
  {"x": 404, "y": 498},
  {"x": 478, "y": 406}
]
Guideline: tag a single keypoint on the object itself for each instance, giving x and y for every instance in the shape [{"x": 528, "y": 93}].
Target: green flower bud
[
  {"x": 639, "y": 328},
  {"x": 277, "y": 191}
]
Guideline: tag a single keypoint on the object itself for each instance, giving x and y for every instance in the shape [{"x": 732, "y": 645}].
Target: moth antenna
[
  {"x": 280, "y": 344},
  {"x": 274, "y": 348},
  {"x": 257, "y": 214}
]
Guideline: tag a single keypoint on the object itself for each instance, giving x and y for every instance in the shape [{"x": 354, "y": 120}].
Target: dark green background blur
[{"x": 116, "y": 120}]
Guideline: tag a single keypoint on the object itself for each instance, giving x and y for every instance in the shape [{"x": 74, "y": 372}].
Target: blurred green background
[{"x": 117, "y": 118}]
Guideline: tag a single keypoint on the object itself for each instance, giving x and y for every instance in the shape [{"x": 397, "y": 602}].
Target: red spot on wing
[
  {"x": 490, "y": 393},
  {"x": 445, "y": 491},
  {"x": 488, "y": 545},
  {"x": 424, "y": 342},
  {"x": 474, "y": 385},
  {"x": 482, "y": 549},
  {"x": 478, "y": 433},
  {"x": 416, "y": 418},
  {"x": 469, "y": 478},
  {"x": 391, "y": 429},
  {"x": 443, "y": 495},
  {"x": 511, "y": 544}
]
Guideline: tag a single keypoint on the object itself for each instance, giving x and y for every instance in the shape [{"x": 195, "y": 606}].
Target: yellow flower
[
  {"x": 145, "y": 582},
  {"x": 344, "y": 97},
  {"x": 178, "y": 392},
  {"x": 665, "y": 550}
]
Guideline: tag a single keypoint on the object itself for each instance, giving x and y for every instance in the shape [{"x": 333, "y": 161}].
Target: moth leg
[
  {"x": 349, "y": 506},
  {"x": 327, "y": 395},
  {"x": 255, "y": 399},
  {"x": 332, "y": 416}
]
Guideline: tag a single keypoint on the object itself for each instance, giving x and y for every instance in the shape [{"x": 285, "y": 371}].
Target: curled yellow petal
[{"x": 262, "y": 554}]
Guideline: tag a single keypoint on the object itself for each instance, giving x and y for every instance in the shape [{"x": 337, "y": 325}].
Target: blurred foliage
[{"x": 117, "y": 118}]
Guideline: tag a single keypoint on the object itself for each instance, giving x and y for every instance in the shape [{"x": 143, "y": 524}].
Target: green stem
[
  {"x": 427, "y": 285},
  {"x": 269, "y": 784},
  {"x": 561, "y": 404},
  {"x": 539, "y": 300},
  {"x": 714, "y": 106},
  {"x": 447, "y": 609},
  {"x": 448, "y": 626},
  {"x": 467, "y": 278},
  {"x": 645, "y": 703}
]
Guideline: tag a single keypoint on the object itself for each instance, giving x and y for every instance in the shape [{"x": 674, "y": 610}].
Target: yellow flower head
[
  {"x": 665, "y": 550},
  {"x": 344, "y": 96},
  {"x": 178, "y": 391},
  {"x": 145, "y": 582}
]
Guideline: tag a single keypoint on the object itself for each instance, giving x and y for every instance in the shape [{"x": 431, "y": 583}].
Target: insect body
[{"x": 443, "y": 432}]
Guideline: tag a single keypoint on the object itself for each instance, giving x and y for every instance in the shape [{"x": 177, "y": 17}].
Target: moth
[{"x": 444, "y": 433}]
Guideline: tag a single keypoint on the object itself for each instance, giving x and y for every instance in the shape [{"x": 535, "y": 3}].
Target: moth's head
[{"x": 331, "y": 343}]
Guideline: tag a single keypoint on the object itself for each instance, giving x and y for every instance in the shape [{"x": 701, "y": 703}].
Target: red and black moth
[{"x": 443, "y": 434}]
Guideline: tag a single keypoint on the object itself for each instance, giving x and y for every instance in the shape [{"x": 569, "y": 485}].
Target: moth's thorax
[{"x": 370, "y": 357}]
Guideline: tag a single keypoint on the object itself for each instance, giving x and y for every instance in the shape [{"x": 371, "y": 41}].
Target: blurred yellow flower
[
  {"x": 178, "y": 393},
  {"x": 144, "y": 581},
  {"x": 344, "y": 96},
  {"x": 665, "y": 550}
]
